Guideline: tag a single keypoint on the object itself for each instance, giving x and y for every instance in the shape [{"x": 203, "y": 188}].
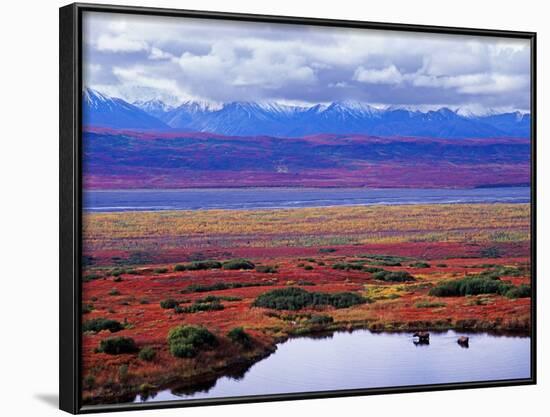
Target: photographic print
[{"x": 275, "y": 209}]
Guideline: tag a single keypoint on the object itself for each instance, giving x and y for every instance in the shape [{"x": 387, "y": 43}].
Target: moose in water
[
  {"x": 463, "y": 341},
  {"x": 421, "y": 338}
]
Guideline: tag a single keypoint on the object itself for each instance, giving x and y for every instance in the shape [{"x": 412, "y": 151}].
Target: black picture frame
[{"x": 70, "y": 203}]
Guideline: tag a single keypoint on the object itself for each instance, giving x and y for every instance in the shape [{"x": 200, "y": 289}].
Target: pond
[{"x": 363, "y": 359}]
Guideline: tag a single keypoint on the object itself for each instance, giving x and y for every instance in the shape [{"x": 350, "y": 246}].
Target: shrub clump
[
  {"x": 420, "y": 265},
  {"x": 160, "y": 270},
  {"x": 117, "y": 345},
  {"x": 201, "y": 306},
  {"x": 99, "y": 324},
  {"x": 236, "y": 264},
  {"x": 169, "y": 303},
  {"x": 521, "y": 291},
  {"x": 372, "y": 269},
  {"x": 147, "y": 354},
  {"x": 429, "y": 304},
  {"x": 213, "y": 298},
  {"x": 320, "y": 320},
  {"x": 297, "y": 298},
  {"x": 267, "y": 269},
  {"x": 238, "y": 335},
  {"x": 473, "y": 285},
  {"x": 187, "y": 341},
  {"x": 347, "y": 266},
  {"x": 382, "y": 262},
  {"x": 198, "y": 266},
  {"x": 218, "y": 286},
  {"x": 393, "y": 276}
]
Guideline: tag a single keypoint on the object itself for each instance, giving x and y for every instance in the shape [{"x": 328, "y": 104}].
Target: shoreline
[{"x": 240, "y": 365}]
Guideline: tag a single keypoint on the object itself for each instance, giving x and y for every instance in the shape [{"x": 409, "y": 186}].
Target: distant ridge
[
  {"x": 101, "y": 110},
  {"x": 279, "y": 120}
]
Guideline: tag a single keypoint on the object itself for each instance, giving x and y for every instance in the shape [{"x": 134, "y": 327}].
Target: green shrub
[
  {"x": 419, "y": 265},
  {"x": 491, "y": 252},
  {"x": 372, "y": 269},
  {"x": 236, "y": 264},
  {"x": 382, "y": 262},
  {"x": 169, "y": 303},
  {"x": 199, "y": 306},
  {"x": 473, "y": 285},
  {"x": 99, "y": 324},
  {"x": 429, "y": 304},
  {"x": 521, "y": 291},
  {"x": 320, "y": 320},
  {"x": 160, "y": 270},
  {"x": 238, "y": 335},
  {"x": 218, "y": 286},
  {"x": 147, "y": 354},
  {"x": 89, "y": 381},
  {"x": 123, "y": 373},
  {"x": 87, "y": 308},
  {"x": 308, "y": 268},
  {"x": 393, "y": 276},
  {"x": 198, "y": 266},
  {"x": 213, "y": 298},
  {"x": 117, "y": 345},
  {"x": 327, "y": 250},
  {"x": 266, "y": 269},
  {"x": 114, "y": 291},
  {"x": 91, "y": 277},
  {"x": 297, "y": 298},
  {"x": 347, "y": 266},
  {"x": 321, "y": 263},
  {"x": 187, "y": 341}
]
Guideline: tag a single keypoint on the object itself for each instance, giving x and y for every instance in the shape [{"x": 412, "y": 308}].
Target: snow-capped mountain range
[{"x": 274, "y": 119}]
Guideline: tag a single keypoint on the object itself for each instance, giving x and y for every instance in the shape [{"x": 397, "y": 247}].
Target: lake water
[
  {"x": 267, "y": 198},
  {"x": 362, "y": 359}
]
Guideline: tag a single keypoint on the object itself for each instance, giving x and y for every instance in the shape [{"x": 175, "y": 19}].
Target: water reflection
[{"x": 363, "y": 359}]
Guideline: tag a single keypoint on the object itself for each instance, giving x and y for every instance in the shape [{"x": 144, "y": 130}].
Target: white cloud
[
  {"x": 224, "y": 61},
  {"x": 484, "y": 83},
  {"x": 138, "y": 79},
  {"x": 388, "y": 75},
  {"x": 157, "y": 53},
  {"x": 119, "y": 43}
]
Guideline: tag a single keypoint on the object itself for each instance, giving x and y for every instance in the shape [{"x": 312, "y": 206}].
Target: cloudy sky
[{"x": 177, "y": 59}]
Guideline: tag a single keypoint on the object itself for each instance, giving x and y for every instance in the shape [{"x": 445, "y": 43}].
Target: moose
[
  {"x": 421, "y": 338},
  {"x": 463, "y": 341}
]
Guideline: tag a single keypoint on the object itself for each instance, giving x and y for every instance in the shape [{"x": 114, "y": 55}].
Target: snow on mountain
[
  {"x": 156, "y": 108},
  {"x": 275, "y": 119},
  {"x": 101, "y": 110}
]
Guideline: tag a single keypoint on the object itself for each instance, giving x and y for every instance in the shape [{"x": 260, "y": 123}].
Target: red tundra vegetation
[{"x": 405, "y": 268}]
